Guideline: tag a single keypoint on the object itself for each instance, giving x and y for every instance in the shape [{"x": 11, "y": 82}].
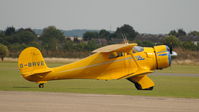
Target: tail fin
[{"x": 31, "y": 62}]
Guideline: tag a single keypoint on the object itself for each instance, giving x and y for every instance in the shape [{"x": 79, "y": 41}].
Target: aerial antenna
[{"x": 125, "y": 38}]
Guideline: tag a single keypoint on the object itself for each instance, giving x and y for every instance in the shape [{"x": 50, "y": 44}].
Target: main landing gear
[{"x": 41, "y": 85}]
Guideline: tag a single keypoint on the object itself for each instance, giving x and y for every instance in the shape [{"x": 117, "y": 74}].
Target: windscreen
[{"x": 138, "y": 49}]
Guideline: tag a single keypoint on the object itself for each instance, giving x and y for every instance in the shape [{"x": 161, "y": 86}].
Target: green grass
[
  {"x": 194, "y": 69},
  {"x": 170, "y": 86}
]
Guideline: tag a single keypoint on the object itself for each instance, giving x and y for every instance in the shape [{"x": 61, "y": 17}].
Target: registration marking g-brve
[{"x": 32, "y": 64}]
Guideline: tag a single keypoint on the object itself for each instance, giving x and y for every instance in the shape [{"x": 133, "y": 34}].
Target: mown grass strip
[{"x": 170, "y": 86}]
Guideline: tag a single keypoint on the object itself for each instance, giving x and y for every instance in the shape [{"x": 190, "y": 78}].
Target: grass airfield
[{"x": 169, "y": 86}]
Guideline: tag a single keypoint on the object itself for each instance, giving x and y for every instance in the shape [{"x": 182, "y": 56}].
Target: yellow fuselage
[{"x": 100, "y": 66}]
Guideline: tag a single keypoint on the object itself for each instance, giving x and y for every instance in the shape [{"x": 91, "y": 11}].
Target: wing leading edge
[{"x": 115, "y": 47}]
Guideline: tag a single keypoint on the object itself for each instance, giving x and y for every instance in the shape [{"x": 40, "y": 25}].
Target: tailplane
[{"x": 31, "y": 62}]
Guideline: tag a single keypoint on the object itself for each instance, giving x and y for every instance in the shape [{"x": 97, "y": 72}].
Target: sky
[{"x": 146, "y": 16}]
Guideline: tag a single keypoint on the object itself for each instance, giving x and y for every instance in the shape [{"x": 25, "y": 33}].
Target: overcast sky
[{"x": 146, "y": 16}]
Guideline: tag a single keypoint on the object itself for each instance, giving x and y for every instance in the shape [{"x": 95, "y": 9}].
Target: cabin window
[
  {"x": 138, "y": 49},
  {"x": 116, "y": 54}
]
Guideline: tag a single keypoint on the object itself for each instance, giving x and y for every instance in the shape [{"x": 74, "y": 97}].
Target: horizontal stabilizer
[{"x": 39, "y": 71}]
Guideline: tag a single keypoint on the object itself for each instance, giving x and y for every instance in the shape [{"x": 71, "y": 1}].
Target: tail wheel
[{"x": 41, "y": 85}]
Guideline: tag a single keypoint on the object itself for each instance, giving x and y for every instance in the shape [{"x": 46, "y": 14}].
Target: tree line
[
  {"x": 175, "y": 38},
  {"x": 53, "y": 43},
  {"x": 125, "y": 31}
]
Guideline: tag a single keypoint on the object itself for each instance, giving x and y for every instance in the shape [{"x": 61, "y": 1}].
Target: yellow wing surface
[{"x": 115, "y": 47}]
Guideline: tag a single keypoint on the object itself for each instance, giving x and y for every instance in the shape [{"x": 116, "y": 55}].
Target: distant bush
[
  {"x": 190, "y": 45},
  {"x": 186, "y": 54},
  {"x": 171, "y": 41},
  {"x": 145, "y": 43},
  {"x": 3, "y": 51}
]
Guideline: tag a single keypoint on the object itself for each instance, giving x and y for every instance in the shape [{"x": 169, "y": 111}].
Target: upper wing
[{"x": 115, "y": 47}]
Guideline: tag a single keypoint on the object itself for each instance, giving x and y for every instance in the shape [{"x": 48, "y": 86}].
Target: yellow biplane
[{"x": 117, "y": 61}]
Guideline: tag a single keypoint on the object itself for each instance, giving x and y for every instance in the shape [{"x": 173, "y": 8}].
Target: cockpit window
[{"x": 138, "y": 49}]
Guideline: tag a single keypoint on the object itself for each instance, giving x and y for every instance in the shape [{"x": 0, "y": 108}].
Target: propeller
[{"x": 173, "y": 53}]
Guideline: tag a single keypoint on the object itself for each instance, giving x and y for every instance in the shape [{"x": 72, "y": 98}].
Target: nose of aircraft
[{"x": 163, "y": 56}]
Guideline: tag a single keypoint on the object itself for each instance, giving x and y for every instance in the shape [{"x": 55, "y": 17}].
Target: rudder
[{"x": 31, "y": 62}]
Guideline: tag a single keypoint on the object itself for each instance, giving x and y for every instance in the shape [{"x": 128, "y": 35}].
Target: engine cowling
[{"x": 163, "y": 56}]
